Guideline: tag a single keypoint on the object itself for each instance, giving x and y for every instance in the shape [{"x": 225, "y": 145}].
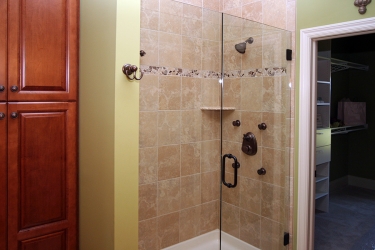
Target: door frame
[{"x": 307, "y": 117}]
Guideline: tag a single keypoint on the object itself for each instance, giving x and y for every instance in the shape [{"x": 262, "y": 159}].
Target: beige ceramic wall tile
[
  {"x": 170, "y": 50},
  {"x": 191, "y": 95},
  {"x": 272, "y": 56},
  {"x": 291, "y": 16},
  {"x": 148, "y": 125},
  {"x": 169, "y": 196},
  {"x": 230, "y": 4},
  {"x": 272, "y": 202},
  {"x": 211, "y": 55},
  {"x": 232, "y": 59},
  {"x": 210, "y": 93},
  {"x": 210, "y": 128},
  {"x": 274, "y": 162},
  {"x": 148, "y": 166},
  {"x": 168, "y": 127},
  {"x": 189, "y": 223},
  {"x": 211, "y": 25},
  {"x": 274, "y": 13},
  {"x": 149, "y": 19},
  {"x": 149, "y": 43},
  {"x": 193, "y": 11},
  {"x": 191, "y": 27},
  {"x": 169, "y": 93},
  {"x": 210, "y": 157},
  {"x": 209, "y": 217},
  {"x": 211, "y": 4},
  {"x": 250, "y": 195},
  {"x": 191, "y": 124},
  {"x": 150, "y": 4},
  {"x": 274, "y": 135},
  {"x": 192, "y": 2},
  {"x": 251, "y": 97},
  {"x": 168, "y": 162},
  {"x": 190, "y": 191},
  {"x": 210, "y": 186},
  {"x": 148, "y": 232},
  {"x": 170, "y": 23},
  {"x": 234, "y": 12},
  {"x": 149, "y": 97},
  {"x": 250, "y": 165},
  {"x": 192, "y": 53},
  {"x": 147, "y": 205},
  {"x": 190, "y": 158},
  {"x": 231, "y": 195},
  {"x": 253, "y": 11},
  {"x": 271, "y": 234},
  {"x": 171, "y": 7},
  {"x": 168, "y": 230},
  {"x": 274, "y": 94},
  {"x": 250, "y": 228},
  {"x": 231, "y": 132},
  {"x": 232, "y": 93},
  {"x": 230, "y": 219}
]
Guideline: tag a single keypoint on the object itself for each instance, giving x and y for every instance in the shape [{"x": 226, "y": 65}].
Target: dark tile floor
[{"x": 350, "y": 223}]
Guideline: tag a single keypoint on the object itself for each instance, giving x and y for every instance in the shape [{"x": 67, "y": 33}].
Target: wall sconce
[{"x": 362, "y": 5}]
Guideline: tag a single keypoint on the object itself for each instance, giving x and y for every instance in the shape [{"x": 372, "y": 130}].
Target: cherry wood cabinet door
[
  {"x": 42, "y": 176},
  {"x": 3, "y": 175},
  {"x": 42, "y": 50},
  {"x": 3, "y": 50}
]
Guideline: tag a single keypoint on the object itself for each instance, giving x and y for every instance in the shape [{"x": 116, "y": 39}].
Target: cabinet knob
[
  {"x": 2, "y": 88},
  {"x": 14, "y": 115},
  {"x": 2, "y": 115},
  {"x": 13, "y": 88}
]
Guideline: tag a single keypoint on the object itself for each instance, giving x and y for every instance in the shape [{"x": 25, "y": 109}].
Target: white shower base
[{"x": 211, "y": 241}]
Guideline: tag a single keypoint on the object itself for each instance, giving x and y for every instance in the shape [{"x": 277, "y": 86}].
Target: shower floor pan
[{"x": 210, "y": 241}]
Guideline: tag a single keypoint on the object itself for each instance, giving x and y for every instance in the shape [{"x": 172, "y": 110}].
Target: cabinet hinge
[
  {"x": 286, "y": 238},
  {"x": 289, "y": 55}
]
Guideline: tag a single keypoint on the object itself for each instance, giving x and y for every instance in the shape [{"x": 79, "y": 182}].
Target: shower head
[{"x": 241, "y": 47}]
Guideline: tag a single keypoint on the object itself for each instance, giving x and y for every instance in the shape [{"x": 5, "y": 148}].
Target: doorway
[{"x": 307, "y": 117}]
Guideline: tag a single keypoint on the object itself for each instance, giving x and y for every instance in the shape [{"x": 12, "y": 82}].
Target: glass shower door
[{"x": 255, "y": 135}]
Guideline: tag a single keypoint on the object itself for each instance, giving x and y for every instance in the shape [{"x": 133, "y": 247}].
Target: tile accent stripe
[{"x": 169, "y": 71}]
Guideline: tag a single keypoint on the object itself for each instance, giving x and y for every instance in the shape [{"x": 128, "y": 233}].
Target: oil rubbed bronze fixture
[
  {"x": 241, "y": 47},
  {"x": 130, "y": 70},
  {"x": 361, "y": 4},
  {"x": 249, "y": 144}
]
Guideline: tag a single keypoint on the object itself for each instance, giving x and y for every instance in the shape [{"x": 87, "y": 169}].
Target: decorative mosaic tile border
[{"x": 168, "y": 71}]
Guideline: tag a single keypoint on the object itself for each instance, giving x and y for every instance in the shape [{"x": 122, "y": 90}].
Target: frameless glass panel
[{"x": 256, "y": 119}]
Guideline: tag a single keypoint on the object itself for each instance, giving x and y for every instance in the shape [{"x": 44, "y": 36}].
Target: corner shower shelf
[
  {"x": 348, "y": 129},
  {"x": 320, "y": 195},
  {"x": 219, "y": 108},
  {"x": 339, "y": 65}
]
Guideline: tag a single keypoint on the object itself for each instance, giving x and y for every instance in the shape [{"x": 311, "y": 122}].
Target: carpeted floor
[{"x": 350, "y": 223}]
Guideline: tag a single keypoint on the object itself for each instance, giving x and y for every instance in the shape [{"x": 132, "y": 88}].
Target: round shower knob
[
  {"x": 262, "y": 126},
  {"x": 261, "y": 171},
  {"x": 236, "y": 123}
]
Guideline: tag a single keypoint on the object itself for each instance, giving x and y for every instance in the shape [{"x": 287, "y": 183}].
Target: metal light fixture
[{"x": 362, "y": 5}]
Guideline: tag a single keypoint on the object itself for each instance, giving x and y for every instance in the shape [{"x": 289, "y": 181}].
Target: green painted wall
[{"x": 108, "y": 130}]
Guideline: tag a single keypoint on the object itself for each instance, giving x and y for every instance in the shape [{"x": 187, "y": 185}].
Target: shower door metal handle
[{"x": 235, "y": 165}]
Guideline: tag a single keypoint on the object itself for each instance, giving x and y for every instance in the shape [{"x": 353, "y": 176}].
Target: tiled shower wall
[{"x": 180, "y": 143}]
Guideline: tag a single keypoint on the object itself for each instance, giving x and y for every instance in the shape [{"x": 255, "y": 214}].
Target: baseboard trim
[
  {"x": 361, "y": 182},
  {"x": 338, "y": 184}
]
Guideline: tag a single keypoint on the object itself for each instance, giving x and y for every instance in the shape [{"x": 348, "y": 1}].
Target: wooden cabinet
[
  {"x": 42, "y": 50},
  {"x": 38, "y": 147}
]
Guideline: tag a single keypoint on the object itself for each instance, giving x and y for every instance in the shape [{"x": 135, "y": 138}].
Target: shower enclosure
[{"x": 215, "y": 123}]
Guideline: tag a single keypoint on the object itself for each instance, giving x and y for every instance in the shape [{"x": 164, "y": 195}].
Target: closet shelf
[
  {"x": 219, "y": 108},
  {"x": 348, "y": 129},
  {"x": 339, "y": 65}
]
